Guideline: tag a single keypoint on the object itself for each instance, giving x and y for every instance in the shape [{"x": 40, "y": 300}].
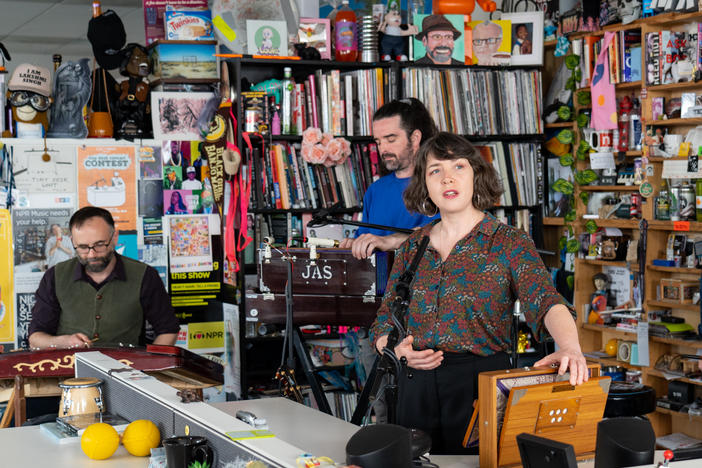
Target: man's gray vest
[{"x": 113, "y": 314}]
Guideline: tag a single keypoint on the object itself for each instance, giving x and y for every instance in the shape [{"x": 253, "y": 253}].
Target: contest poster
[
  {"x": 7, "y": 309},
  {"x": 107, "y": 178},
  {"x": 190, "y": 243}
]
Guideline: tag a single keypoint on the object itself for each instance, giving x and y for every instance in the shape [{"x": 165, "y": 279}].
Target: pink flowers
[{"x": 323, "y": 148}]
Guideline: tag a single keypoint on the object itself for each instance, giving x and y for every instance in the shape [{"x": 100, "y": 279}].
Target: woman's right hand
[{"x": 427, "y": 359}]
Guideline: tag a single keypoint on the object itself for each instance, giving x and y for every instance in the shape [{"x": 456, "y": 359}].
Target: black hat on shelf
[{"x": 107, "y": 36}]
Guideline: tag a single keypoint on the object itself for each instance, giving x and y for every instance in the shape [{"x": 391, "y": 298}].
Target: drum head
[{"x": 80, "y": 382}]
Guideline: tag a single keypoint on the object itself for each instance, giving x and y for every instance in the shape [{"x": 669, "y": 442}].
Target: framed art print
[
  {"x": 174, "y": 115},
  {"x": 491, "y": 42},
  {"x": 440, "y": 39},
  {"x": 316, "y": 32},
  {"x": 264, "y": 37},
  {"x": 527, "y": 37}
]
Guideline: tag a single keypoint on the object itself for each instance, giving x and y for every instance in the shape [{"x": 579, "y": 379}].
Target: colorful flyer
[
  {"x": 7, "y": 309},
  {"x": 190, "y": 243},
  {"x": 107, "y": 178}
]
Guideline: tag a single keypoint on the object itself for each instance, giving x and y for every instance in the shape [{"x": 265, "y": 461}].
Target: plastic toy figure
[
  {"x": 133, "y": 113},
  {"x": 29, "y": 93},
  {"x": 463, "y": 7},
  {"x": 71, "y": 94},
  {"x": 393, "y": 45}
]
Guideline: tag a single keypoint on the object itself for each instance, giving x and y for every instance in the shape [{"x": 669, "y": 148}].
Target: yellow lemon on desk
[
  {"x": 99, "y": 441},
  {"x": 140, "y": 437},
  {"x": 611, "y": 347}
]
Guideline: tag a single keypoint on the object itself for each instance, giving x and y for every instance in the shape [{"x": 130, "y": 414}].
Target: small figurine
[
  {"x": 394, "y": 42},
  {"x": 4, "y": 56},
  {"x": 29, "y": 93},
  {"x": 71, "y": 94},
  {"x": 600, "y": 298},
  {"x": 133, "y": 113},
  {"x": 549, "y": 30}
]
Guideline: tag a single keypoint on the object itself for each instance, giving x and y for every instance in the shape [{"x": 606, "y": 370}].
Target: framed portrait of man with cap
[{"x": 440, "y": 40}]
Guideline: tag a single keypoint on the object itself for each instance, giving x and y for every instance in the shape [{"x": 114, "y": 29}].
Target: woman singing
[{"x": 459, "y": 318}]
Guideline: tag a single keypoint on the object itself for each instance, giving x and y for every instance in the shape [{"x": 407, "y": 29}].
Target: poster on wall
[
  {"x": 7, "y": 309},
  {"x": 41, "y": 240},
  {"x": 107, "y": 178},
  {"x": 25, "y": 304},
  {"x": 41, "y": 179},
  {"x": 190, "y": 245}
]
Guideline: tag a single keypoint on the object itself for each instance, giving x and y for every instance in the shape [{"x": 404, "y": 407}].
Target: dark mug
[{"x": 184, "y": 451}]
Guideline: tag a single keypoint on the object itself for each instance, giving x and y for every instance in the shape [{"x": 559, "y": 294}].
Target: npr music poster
[
  {"x": 7, "y": 299},
  {"x": 107, "y": 178}
]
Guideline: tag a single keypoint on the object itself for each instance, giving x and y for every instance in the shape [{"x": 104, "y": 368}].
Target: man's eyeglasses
[
  {"x": 37, "y": 101},
  {"x": 440, "y": 37},
  {"x": 487, "y": 41},
  {"x": 98, "y": 247}
]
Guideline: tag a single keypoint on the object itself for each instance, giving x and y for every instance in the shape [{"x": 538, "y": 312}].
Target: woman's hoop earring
[{"x": 424, "y": 208}]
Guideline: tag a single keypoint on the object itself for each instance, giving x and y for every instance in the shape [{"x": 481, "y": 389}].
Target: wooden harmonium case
[{"x": 333, "y": 289}]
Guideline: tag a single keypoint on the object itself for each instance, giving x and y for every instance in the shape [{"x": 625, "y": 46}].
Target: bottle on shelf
[
  {"x": 345, "y": 35},
  {"x": 286, "y": 103},
  {"x": 635, "y": 129},
  {"x": 625, "y": 107},
  {"x": 698, "y": 200},
  {"x": 663, "y": 203}
]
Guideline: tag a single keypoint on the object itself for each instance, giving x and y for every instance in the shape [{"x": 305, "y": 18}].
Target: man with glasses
[
  {"x": 100, "y": 295},
  {"x": 487, "y": 38},
  {"x": 438, "y": 35}
]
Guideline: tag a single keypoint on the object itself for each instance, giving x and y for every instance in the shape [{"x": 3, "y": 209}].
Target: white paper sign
[
  {"x": 602, "y": 161},
  {"x": 642, "y": 342},
  {"x": 677, "y": 169}
]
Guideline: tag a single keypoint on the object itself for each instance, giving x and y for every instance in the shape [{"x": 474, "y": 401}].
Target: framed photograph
[
  {"x": 527, "y": 37},
  {"x": 265, "y": 37},
  {"x": 491, "y": 42},
  {"x": 440, "y": 39},
  {"x": 316, "y": 32},
  {"x": 174, "y": 115}
]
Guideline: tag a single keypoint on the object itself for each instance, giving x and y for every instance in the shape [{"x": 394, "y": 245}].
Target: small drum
[{"x": 81, "y": 396}]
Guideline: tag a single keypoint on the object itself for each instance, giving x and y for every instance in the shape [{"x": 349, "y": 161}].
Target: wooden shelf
[
  {"x": 553, "y": 221},
  {"x": 678, "y": 414},
  {"x": 657, "y": 373},
  {"x": 661, "y": 159},
  {"x": 602, "y": 262},
  {"x": 604, "y": 328},
  {"x": 673, "y": 86},
  {"x": 634, "y": 153},
  {"x": 559, "y": 125},
  {"x": 613, "y": 362},
  {"x": 673, "y": 305},
  {"x": 658, "y": 225},
  {"x": 628, "y": 85},
  {"x": 694, "y": 344},
  {"x": 678, "y": 270},
  {"x": 618, "y": 223},
  {"x": 670, "y": 18},
  {"x": 609, "y": 188},
  {"x": 674, "y": 122}
]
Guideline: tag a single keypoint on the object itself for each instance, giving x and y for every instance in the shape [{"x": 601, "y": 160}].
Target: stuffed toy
[
  {"x": 29, "y": 94},
  {"x": 393, "y": 44}
]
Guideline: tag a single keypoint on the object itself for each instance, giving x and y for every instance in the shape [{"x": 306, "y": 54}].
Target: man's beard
[
  {"x": 393, "y": 164},
  {"x": 441, "y": 54},
  {"x": 97, "y": 264}
]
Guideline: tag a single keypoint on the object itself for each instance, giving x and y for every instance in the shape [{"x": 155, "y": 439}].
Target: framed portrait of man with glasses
[
  {"x": 491, "y": 42},
  {"x": 440, "y": 40}
]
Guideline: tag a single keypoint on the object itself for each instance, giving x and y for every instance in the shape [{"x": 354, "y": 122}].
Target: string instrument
[{"x": 288, "y": 385}]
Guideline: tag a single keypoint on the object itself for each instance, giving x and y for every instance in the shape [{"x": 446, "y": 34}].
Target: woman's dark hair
[
  {"x": 181, "y": 205},
  {"x": 487, "y": 186},
  {"x": 413, "y": 116},
  {"x": 87, "y": 212}
]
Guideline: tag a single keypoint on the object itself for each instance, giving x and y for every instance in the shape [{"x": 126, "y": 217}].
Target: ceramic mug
[{"x": 185, "y": 451}]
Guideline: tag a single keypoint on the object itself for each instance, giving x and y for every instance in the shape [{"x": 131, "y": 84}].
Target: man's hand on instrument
[
  {"x": 76, "y": 340},
  {"x": 568, "y": 359}
]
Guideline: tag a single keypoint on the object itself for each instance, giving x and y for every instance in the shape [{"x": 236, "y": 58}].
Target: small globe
[
  {"x": 140, "y": 437},
  {"x": 99, "y": 441},
  {"x": 611, "y": 347}
]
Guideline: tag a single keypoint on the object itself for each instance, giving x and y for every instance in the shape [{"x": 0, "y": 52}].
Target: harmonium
[
  {"x": 329, "y": 287},
  {"x": 535, "y": 401}
]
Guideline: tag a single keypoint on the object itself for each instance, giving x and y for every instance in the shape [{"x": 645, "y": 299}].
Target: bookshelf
[
  {"x": 521, "y": 135},
  {"x": 593, "y": 337}
]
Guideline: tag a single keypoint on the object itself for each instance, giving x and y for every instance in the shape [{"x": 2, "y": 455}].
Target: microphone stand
[{"x": 324, "y": 217}]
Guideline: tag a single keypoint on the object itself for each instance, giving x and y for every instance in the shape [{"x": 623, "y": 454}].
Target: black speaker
[
  {"x": 380, "y": 446},
  {"x": 623, "y": 442},
  {"x": 681, "y": 392}
]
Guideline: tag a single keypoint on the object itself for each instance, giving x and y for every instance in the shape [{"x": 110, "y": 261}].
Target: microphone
[{"x": 318, "y": 241}]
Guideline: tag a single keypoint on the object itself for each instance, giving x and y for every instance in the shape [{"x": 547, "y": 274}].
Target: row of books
[
  {"x": 284, "y": 180},
  {"x": 520, "y": 166},
  {"x": 672, "y": 56},
  {"x": 341, "y": 103},
  {"x": 624, "y": 56},
  {"x": 477, "y": 101}
]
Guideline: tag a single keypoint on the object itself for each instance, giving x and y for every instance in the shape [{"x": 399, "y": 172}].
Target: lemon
[
  {"x": 99, "y": 441},
  {"x": 140, "y": 437}
]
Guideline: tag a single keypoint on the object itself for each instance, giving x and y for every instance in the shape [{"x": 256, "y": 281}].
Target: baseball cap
[
  {"x": 28, "y": 77},
  {"x": 107, "y": 36},
  {"x": 190, "y": 169}
]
